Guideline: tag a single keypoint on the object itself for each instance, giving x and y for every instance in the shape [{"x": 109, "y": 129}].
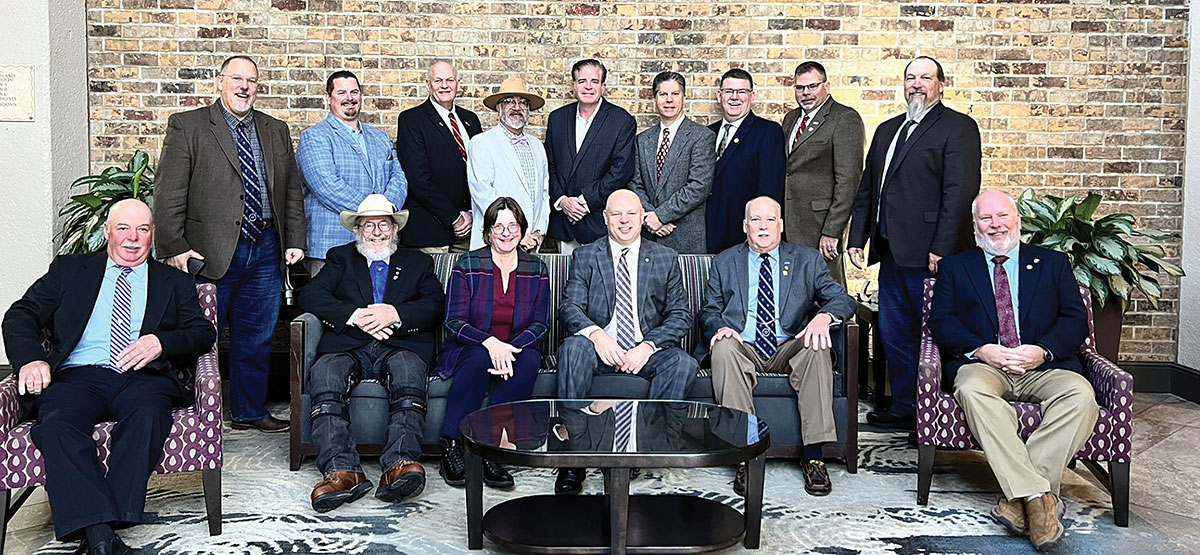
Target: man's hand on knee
[
  {"x": 140, "y": 353},
  {"x": 635, "y": 358},
  {"x": 33, "y": 377},
  {"x": 724, "y": 333},
  {"x": 815, "y": 335},
  {"x": 606, "y": 348}
]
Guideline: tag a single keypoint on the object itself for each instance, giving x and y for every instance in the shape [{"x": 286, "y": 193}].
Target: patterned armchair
[
  {"x": 942, "y": 424},
  {"x": 193, "y": 444}
]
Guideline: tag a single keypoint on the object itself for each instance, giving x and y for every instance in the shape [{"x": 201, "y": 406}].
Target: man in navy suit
[
  {"x": 912, "y": 204},
  {"x": 122, "y": 325},
  {"x": 432, "y": 140},
  {"x": 749, "y": 161},
  {"x": 1008, "y": 319},
  {"x": 590, "y": 154}
]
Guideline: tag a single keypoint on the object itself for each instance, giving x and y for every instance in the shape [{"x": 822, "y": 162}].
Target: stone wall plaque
[{"x": 16, "y": 93}]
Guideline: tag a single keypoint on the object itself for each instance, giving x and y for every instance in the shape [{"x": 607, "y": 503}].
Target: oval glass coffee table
[{"x": 615, "y": 436}]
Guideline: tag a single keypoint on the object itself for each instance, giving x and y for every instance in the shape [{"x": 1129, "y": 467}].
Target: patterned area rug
[{"x": 267, "y": 508}]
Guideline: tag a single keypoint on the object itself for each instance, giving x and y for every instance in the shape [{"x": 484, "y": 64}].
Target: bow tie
[{"x": 518, "y": 140}]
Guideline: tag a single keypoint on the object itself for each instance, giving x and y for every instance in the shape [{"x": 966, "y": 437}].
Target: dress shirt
[
  {"x": 631, "y": 259},
  {"x": 445, "y": 115},
  {"x": 356, "y": 135},
  {"x": 673, "y": 128},
  {"x": 357, "y": 311},
  {"x": 732, "y": 131},
  {"x": 93, "y": 346},
  {"x": 524, "y": 154},
  {"x": 887, "y": 160},
  {"x": 799, "y": 120},
  {"x": 582, "y": 125},
  {"x": 1012, "y": 267},
  {"x": 260, "y": 164},
  {"x": 753, "y": 263}
]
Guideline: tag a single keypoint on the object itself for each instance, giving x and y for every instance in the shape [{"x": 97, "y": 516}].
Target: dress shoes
[
  {"x": 739, "y": 480},
  {"x": 816, "y": 478},
  {"x": 338, "y": 487},
  {"x": 893, "y": 420},
  {"x": 403, "y": 480},
  {"x": 1043, "y": 517},
  {"x": 570, "y": 480},
  {"x": 454, "y": 465},
  {"x": 112, "y": 547},
  {"x": 495, "y": 475},
  {"x": 1011, "y": 514},
  {"x": 268, "y": 425}
]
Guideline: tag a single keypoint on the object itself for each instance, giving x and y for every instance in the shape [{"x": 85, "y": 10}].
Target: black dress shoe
[
  {"x": 739, "y": 480},
  {"x": 454, "y": 466},
  {"x": 816, "y": 478},
  {"x": 893, "y": 420},
  {"x": 495, "y": 475},
  {"x": 570, "y": 480},
  {"x": 114, "y": 547},
  {"x": 270, "y": 425}
]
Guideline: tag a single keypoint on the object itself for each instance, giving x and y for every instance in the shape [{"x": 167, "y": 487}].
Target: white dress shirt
[
  {"x": 632, "y": 260},
  {"x": 445, "y": 115},
  {"x": 732, "y": 131},
  {"x": 799, "y": 120}
]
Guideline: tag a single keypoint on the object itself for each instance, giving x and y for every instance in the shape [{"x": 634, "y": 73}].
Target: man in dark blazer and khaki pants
[
  {"x": 228, "y": 192},
  {"x": 824, "y": 163},
  {"x": 913, "y": 205}
]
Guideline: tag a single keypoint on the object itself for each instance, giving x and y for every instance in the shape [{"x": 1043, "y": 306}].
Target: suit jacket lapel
[
  {"x": 156, "y": 299},
  {"x": 268, "y": 151},
  {"x": 979, "y": 271},
  {"x": 786, "y": 259},
  {"x": 92, "y": 275},
  {"x": 645, "y": 272},
  {"x": 593, "y": 130},
  {"x": 742, "y": 130},
  {"x": 360, "y": 275},
  {"x": 1030, "y": 272},
  {"x": 813, "y": 124},
  {"x": 648, "y": 155},
  {"x": 609, "y": 280},
  {"x": 915, "y": 134},
  {"x": 741, "y": 280},
  {"x": 341, "y": 133},
  {"x": 395, "y": 267},
  {"x": 220, "y": 131},
  {"x": 679, "y": 142}
]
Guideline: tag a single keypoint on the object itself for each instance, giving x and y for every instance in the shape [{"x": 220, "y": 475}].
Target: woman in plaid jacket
[{"x": 497, "y": 314}]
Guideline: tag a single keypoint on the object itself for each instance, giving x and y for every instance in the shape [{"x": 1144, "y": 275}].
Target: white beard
[
  {"x": 375, "y": 255},
  {"x": 990, "y": 247},
  {"x": 916, "y": 108}
]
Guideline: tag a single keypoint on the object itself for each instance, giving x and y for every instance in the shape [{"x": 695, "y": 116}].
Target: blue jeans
[
  {"x": 248, "y": 298},
  {"x": 900, "y": 303}
]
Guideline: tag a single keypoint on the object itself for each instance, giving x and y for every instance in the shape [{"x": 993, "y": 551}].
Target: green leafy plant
[
  {"x": 1102, "y": 257},
  {"x": 83, "y": 217}
]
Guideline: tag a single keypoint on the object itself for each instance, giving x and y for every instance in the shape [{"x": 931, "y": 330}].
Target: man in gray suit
[
  {"x": 756, "y": 327},
  {"x": 626, "y": 311},
  {"x": 823, "y": 167},
  {"x": 228, "y": 194},
  {"x": 674, "y": 171}
]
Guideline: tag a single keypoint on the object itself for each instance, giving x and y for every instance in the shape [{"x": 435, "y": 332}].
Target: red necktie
[
  {"x": 462, "y": 148},
  {"x": 800, "y": 131},
  {"x": 1004, "y": 306}
]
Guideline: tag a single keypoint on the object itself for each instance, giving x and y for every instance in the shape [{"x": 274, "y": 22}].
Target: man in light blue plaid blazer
[{"x": 342, "y": 161}]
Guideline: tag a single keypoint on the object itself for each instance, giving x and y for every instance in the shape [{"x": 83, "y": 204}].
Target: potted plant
[
  {"x": 1101, "y": 254},
  {"x": 83, "y": 217}
]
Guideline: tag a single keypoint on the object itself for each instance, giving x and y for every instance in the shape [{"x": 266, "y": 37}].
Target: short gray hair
[
  {"x": 436, "y": 61},
  {"x": 775, "y": 203},
  {"x": 1007, "y": 195}
]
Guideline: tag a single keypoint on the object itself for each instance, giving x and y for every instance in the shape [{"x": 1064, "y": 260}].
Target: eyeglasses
[
  {"x": 512, "y": 227},
  {"x": 251, "y": 82},
  {"x": 515, "y": 101},
  {"x": 371, "y": 227},
  {"x": 810, "y": 87},
  {"x": 737, "y": 92}
]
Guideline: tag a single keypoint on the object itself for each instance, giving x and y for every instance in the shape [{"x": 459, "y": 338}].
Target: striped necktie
[
  {"x": 764, "y": 328},
  {"x": 624, "y": 429},
  {"x": 119, "y": 333},
  {"x": 624, "y": 310},
  {"x": 252, "y": 225},
  {"x": 462, "y": 148}
]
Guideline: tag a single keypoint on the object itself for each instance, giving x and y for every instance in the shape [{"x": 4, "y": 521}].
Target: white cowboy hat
[
  {"x": 514, "y": 86},
  {"x": 374, "y": 205}
]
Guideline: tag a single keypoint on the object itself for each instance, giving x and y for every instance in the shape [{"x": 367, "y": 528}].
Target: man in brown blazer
[
  {"x": 228, "y": 198},
  {"x": 824, "y": 164}
]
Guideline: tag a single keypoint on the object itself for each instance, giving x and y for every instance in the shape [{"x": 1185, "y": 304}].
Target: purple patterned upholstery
[{"x": 193, "y": 444}]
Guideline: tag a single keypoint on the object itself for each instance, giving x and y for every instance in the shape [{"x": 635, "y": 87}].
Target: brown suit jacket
[
  {"x": 822, "y": 176},
  {"x": 199, "y": 196}
]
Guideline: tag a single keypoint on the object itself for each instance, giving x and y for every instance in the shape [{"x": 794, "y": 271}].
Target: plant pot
[{"x": 1107, "y": 324}]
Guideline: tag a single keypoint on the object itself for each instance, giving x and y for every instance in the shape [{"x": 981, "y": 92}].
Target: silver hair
[
  {"x": 775, "y": 203},
  {"x": 1011, "y": 200},
  {"x": 436, "y": 61}
]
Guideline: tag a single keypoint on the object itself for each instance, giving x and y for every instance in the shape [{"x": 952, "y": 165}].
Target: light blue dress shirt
[
  {"x": 753, "y": 263},
  {"x": 1012, "y": 267},
  {"x": 93, "y": 346}
]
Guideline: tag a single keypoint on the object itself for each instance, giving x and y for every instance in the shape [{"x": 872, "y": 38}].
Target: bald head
[
  {"x": 623, "y": 216},
  {"x": 129, "y": 231}
]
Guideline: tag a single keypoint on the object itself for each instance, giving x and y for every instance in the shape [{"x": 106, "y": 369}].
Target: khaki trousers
[
  {"x": 461, "y": 245},
  {"x": 1069, "y": 414},
  {"x": 735, "y": 369}
]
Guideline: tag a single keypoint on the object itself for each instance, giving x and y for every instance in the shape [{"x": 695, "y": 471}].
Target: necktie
[
  {"x": 662, "y": 151},
  {"x": 518, "y": 140},
  {"x": 724, "y": 139},
  {"x": 624, "y": 310},
  {"x": 379, "y": 270},
  {"x": 800, "y": 131},
  {"x": 624, "y": 429},
  {"x": 903, "y": 136},
  {"x": 764, "y": 328},
  {"x": 119, "y": 332},
  {"x": 462, "y": 147},
  {"x": 1004, "y": 306},
  {"x": 252, "y": 226}
]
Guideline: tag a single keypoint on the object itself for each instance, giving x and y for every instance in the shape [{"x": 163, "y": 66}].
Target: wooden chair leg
[
  {"x": 1120, "y": 492},
  {"x": 925, "y": 456},
  {"x": 212, "y": 500}
]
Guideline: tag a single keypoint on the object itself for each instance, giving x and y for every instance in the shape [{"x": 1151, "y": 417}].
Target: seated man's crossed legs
[{"x": 735, "y": 369}]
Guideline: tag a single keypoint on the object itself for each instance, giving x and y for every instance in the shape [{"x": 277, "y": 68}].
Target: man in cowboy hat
[
  {"x": 506, "y": 162},
  {"x": 379, "y": 304}
]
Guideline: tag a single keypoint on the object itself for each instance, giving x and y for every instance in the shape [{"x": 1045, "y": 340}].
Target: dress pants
[
  {"x": 670, "y": 371},
  {"x": 735, "y": 369},
  {"x": 78, "y": 398},
  {"x": 901, "y": 293},
  {"x": 472, "y": 382},
  {"x": 335, "y": 374},
  {"x": 248, "y": 298},
  {"x": 1069, "y": 414}
]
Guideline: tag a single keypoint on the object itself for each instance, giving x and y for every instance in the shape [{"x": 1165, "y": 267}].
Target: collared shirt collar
[
  {"x": 347, "y": 125},
  {"x": 924, "y": 112},
  {"x": 634, "y": 248},
  {"x": 810, "y": 115},
  {"x": 579, "y": 114},
  {"x": 233, "y": 120},
  {"x": 440, "y": 110},
  {"x": 674, "y": 128}
]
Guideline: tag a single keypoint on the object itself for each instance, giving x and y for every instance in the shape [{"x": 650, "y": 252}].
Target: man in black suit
[
  {"x": 590, "y": 154},
  {"x": 925, "y": 167},
  {"x": 749, "y": 161},
  {"x": 431, "y": 140},
  {"x": 379, "y": 304},
  {"x": 122, "y": 325}
]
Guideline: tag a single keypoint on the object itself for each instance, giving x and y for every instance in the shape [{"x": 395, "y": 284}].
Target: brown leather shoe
[
  {"x": 816, "y": 478},
  {"x": 1011, "y": 514},
  {"x": 1043, "y": 516},
  {"x": 338, "y": 487},
  {"x": 269, "y": 425},
  {"x": 403, "y": 480}
]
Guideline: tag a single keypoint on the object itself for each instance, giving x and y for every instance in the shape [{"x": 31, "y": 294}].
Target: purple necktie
[
  {"x": 518, "y": 139},
  {"x": 1004, "y": 306}
]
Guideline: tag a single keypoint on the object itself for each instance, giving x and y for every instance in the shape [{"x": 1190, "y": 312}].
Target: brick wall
[{"x": 1069, "y": 96}]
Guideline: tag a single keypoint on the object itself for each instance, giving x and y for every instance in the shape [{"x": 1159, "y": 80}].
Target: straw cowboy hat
[
  {"x": 374, "y": 205},
  {"x": 514, "y": 86}
]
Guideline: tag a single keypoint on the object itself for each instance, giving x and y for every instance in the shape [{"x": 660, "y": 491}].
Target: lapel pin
[
  {"x": 735, "y": 139},
  {"x": 1029, "y": 267},
  {"x": 647, "y": 259},
  {"x": 1036, "y": 260}
]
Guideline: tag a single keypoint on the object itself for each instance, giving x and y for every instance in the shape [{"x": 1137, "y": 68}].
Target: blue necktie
[
  {"x": 764, "y": 328},
  {"x": 625, "y": 338},
  {"x": 379, "y": 271},
  {"x": 624, "y": 415},
  {"x": 119, "y": 333},
  {"x": 252, "y": 225}
]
